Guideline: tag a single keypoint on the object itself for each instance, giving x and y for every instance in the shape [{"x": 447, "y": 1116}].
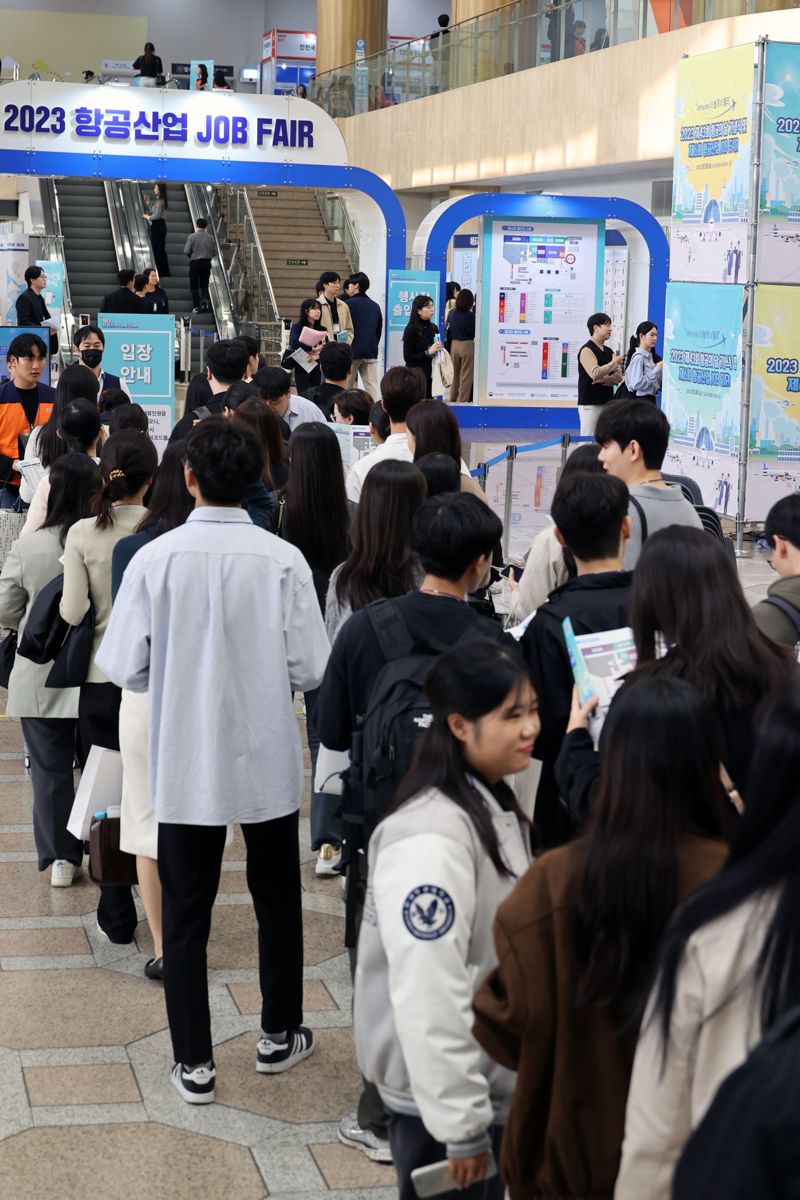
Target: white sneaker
[
  {"x": 194, "y": 1086},
  {"x": 63, "y": 873},
  {"x": 350, "y": 1133},
  {"x": 328, "y": 861}
]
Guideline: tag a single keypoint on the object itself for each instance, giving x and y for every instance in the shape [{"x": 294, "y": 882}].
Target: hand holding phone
[
  {"x": 201, "y": 413},
  {"x": 443, "y": 1177}
]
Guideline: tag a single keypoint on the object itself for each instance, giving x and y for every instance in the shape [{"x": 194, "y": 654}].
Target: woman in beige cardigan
[
  {"x": 128, "y": 463},
  {"x": 730, "y": 966}
]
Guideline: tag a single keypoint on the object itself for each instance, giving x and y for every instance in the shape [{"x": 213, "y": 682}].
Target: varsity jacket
[{"x": 425, "y": 945}]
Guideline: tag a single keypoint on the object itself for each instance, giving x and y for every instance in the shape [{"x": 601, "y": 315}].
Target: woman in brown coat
[{"x": 578, "y": 937}]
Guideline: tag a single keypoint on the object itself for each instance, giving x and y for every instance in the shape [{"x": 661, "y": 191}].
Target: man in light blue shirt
[
  {"x": 220, "y": 622},
  {"x": 274, "y": 384}
]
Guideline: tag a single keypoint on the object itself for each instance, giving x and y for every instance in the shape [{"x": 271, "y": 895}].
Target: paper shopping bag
[{"x": 100, "y": 788}]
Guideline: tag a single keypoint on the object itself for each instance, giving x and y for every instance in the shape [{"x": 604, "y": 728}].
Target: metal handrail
[
  {"x": 52, "y": 243},
  {"x": 337, "y": 220},
  {"x": 248, "y": 271},
  {"x": 200, "y": 205}
]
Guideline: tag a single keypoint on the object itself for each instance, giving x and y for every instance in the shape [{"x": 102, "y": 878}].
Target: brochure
[
  {"x": 600, "y": 662},
  {"x": 312, "y": 337},
  {"x": 32, "y": 472}
]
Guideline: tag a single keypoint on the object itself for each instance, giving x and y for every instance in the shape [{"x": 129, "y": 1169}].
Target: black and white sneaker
[
  {"x": 274, "y": 1057},
  {"x": 194, "y": 1086}
]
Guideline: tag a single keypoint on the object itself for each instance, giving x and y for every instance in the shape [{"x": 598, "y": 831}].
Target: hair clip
[{"x": 116, "y": 474}]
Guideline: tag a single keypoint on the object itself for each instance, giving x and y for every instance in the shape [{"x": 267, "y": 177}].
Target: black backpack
[
  {"x": 747, "y": 1147},
  {"x": 383, "y": 745}
]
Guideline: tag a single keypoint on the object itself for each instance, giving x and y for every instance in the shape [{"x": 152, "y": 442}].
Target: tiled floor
[{"x": 86, "y": 1107}]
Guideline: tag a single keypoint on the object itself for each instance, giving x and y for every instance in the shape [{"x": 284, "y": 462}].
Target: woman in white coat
[
  {"x": 440, "y": 864},
  {"x": 730, "y": 966},
  {"x": 49, "y": 715}
]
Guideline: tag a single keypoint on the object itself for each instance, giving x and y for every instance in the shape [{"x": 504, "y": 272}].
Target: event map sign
[
  {"x": 774, "y": 469},
  {"x": 779, "y": 200},
  {"x": 703, "y": 387},
  {"x": 711, "y": 174},
  {"x": 543, "y": 280},
  {"x": 403, "y": 287},
  {"x": 141, "y": 350}
]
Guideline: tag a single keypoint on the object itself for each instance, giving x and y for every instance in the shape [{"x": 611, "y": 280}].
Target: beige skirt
[{"x": 138, "y": 825}]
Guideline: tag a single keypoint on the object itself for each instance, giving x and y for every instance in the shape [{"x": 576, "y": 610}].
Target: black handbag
[
  {"x": 49, "y": 638},
  {"x": 8, "y": 652}
]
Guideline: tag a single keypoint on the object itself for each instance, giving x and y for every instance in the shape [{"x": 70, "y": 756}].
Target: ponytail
[
  {"x": 633, "y": 346},
  {"x": 127, "y": 462}
]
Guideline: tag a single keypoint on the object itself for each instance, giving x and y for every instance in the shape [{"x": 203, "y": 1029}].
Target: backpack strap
[
  {"x": 642, "y": 517},
  {"x": 390, "y": 629},
  {"x": 787, "y": 608}
]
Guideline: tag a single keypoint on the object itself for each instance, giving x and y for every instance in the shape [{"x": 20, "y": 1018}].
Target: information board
[
  {"x": 774, "y": 469},
  {"x": 141, "y": 350},
  {"x": 779, "y": 201},
  {"x": 403, "y": 287}
]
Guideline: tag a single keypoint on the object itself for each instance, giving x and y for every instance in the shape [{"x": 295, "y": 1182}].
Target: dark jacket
[
  {"x": 324, "y": 396},
  {"x": 31, "y": 309},
  {"x": 214, "y": 404},
  {"x": 154, "y": 303},
  {"x": 198, "y": 392},
  {"x": 123, "y": 300},
  {"x": 564, "y": 1132},
  {"x": 304, "y": 380},
  {"x": 771, "y": 620},
  {"x": 124, "y": 551},
  {"x": 367, "y": 326},
  {"x": 261, "y": 506},
  {"x": 416, "y": 344},
  {"x": 461, "y": 326}
]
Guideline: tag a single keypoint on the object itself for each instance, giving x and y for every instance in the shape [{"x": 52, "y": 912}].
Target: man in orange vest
[{"x": 24, "y": 403}]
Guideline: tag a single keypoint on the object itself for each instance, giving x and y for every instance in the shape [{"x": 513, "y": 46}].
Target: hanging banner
[
  {"x": 774, "y": 469},
  {"x": 53, "y": 294},
  {"x": 141, "y": 350},
  {"x": 361, "y": 98},
  {"x": 711, "y": 174},
  {"x": 403, "y": 287},
  {"x": 464, "y": 268},
  {"x": 703, "y": 387},
  {"x": 541, "y": 280},
  {"x": 779, "y": 200},
  {"x": 201, "y": 74},
  {"x": 13, "y": 265}
]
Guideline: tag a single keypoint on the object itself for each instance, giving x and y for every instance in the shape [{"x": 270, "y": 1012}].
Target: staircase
[
  {"x": 89, "y": 252},
  {"x": 176, "y": 285},
  {"x": 295, "y": 243}
]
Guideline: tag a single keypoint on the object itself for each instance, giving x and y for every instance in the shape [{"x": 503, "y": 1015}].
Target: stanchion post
[
  {"x": 512, "y": 458},
  {"x": 184, "y": 365},
  {"x": 565, "y": 441},
  {"x": 483, "y": 477},
  {"x": 202, "y": 353}
]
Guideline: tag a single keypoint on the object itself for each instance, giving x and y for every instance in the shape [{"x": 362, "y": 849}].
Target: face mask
[{"x": 92, "y": 357}]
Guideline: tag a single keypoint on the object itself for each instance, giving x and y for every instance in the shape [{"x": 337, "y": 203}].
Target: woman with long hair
[
  {"x": 266, "y": 425},
  {"x": 128, "y": 463},
  {"x": 578, "y": 939},
  {"x": 148, "y": 64},
  {"x": 169, "y": 504},
  {"x": 729, "y": 966},
  {"x": 440, "y": 863},
  {"x": 643, "y": 367},
  {"x": 49, "y": 715},
  {"x": 75, "y": 383},
  {"x": 381, "y": 562},
  {"x": 433, "y": 429},
  {"x": 421, "y": 339},
  {"x": 79, "y": 429},
  {"x": 158, "y": 226},
  {"x": 461, "y": 344},
  {"x": 305, "y": 378}
]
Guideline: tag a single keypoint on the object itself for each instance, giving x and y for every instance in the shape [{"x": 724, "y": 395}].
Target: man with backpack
[
  {"x": 371, "y": 701},
  {"x": 779, "y": 615}
]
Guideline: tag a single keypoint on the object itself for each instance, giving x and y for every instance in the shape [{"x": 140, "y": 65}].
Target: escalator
[
  {"x": 89, "y": 251},
  {"x": 176, "y": 285}
]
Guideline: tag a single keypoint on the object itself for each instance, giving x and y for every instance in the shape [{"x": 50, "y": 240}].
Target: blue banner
[
  {"x": 141, "y": 350},
  {"x": 403, "y": 287},
  {"x": 53, "y": 294}
]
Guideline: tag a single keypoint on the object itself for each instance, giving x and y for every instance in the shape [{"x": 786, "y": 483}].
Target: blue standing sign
[
  {"x": 141, "y": 350},
  {"x": 403, "y": 287}
]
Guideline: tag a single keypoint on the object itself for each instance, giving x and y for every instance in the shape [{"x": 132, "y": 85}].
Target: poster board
[
  {"x": 13, "y": 265},
  {"x": 141, "y": 350},
  {"x": 403, "y": 287},
  {"x": 774, "y": 468},
  {"x": 779, "y": 192}
]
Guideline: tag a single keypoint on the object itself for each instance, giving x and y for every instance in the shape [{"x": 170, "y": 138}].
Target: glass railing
[
  {"x": 339, "y": 224},
  {"x": 511, "y": 38}
]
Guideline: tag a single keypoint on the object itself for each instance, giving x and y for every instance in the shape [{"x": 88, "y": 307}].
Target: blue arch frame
[
  {"x": 568, "y": 208},
  {"x": 202, "y": 170}
]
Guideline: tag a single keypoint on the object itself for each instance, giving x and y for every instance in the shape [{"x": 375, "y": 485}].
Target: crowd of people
[{"x": 558, "y": 989}]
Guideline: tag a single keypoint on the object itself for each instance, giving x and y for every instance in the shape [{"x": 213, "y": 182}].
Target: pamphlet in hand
[
  {"x": 312, "y": 337},
  {"x": 600, "y": 662},
  {"x": 304, "y": 360},
  {"x": 31, "y": 471}
]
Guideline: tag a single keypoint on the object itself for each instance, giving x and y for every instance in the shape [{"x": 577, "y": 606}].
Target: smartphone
[
  {"x": 201, "y": 413},
  {"x": 580, "y": 671},
  {"x": 436, "y": 1179}
]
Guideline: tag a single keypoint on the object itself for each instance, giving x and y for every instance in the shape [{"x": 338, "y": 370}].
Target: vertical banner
[
  {"x": 711, "y": 174},
  {"x": 774, "y": 468},
  {"x": 464, "y": 262},
  {"x": 361, "y": 78},
  {"x": 403, "y": 287},
  {"x": 703, "y": 386},
  {"x": 201, "y": 74},
  {"x": 541, "y": 280},
  {"x": 13, "y": 264},
  {"x": 141, "y": 350},
  {"x": 779, "y": 198},
  {"x": 53, "y": 294}
]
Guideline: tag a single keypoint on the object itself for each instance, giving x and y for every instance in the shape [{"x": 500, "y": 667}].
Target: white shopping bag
[
  {"x": 330, "y": 766},
  {"x": 99, "y": 789}
]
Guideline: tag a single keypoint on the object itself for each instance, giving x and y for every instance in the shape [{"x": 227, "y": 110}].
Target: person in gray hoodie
[
  {"x": 633, "y": 436},
  {"x": 779, "y": 615},
  {"x": 441, "y": 862}
]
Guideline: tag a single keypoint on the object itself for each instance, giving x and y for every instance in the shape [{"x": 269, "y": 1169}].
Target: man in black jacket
[
  {"x": 31, "y": 308},
  {"x": 124, "y": 299},
  {"x": 591, "y": 517},
  {"x": 336, "y": 364},
  {"x": 367, "y": 330},
  {"x": 226, "y": 364}
]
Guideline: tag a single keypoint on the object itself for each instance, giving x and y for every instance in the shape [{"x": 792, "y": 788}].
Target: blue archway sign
[{"x": 570, "y": 208}]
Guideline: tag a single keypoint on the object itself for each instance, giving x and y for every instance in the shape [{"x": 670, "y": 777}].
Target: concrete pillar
[{"x": 340, "y": 22}]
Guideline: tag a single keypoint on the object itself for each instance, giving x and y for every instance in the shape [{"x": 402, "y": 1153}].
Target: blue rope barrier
[{"x": 538, "y": 446}]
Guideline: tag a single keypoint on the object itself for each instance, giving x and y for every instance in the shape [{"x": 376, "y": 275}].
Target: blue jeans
[
  {"x": 10, "y": 500},
  {"x": 326, "y": 824}
]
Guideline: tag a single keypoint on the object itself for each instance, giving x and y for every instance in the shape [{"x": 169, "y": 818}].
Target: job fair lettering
[
  {"x": 123, "y": 125},
  {"x": 714, "y": 138},
  {"x": 699, "y": 366}
]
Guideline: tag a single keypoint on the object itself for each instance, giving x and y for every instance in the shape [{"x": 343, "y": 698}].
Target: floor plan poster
[
  {"x": 544, "y": 279},
  {"x": 775, "y": 401},
  {"x": 779, "y": 202},
  {"x": 711, "y": 173}
]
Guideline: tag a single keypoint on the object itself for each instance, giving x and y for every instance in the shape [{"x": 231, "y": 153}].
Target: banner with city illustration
[
  {"x": 711, "y": 176},
  {"x": 703, "y": 387},
  {"x": 774, "y": 469},
  {"x": 779, "y": 200}
]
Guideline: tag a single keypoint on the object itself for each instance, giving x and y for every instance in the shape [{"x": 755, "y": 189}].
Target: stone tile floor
[{"x": 86, "y": 1107}]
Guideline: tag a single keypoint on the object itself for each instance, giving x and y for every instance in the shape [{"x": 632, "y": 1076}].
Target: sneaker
[
  {"x": 350, "y": 1133},
  {"x": 194, "y": 1086},
  {"x": 329, "y": 859},
  {"x": 274, "y": 1057},
  {"x": 63, "y": 873}
]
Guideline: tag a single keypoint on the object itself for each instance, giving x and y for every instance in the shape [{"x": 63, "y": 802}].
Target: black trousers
[
  {"x": 199, "y": 275},
  {"x": 158, "y": 240},
  {"x": 98, "y": 725},
  {"x": 51, "y": 743},
  {"x": 189, "y": 862},
  {"x": 412, "y": 1147}
]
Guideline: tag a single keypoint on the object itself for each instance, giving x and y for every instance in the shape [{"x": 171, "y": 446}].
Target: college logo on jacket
[{"x": 428, "y": 912}]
